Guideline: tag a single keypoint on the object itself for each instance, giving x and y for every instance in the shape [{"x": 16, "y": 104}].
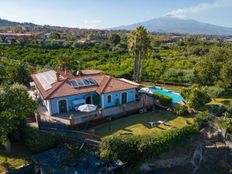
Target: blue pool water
[{"x": 176, "y": 98}]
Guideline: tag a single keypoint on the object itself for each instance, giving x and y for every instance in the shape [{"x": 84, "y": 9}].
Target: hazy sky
[{"x": 110, "y": 13}]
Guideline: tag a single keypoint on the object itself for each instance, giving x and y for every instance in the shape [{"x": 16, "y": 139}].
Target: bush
[
  {"x": 163, "y": 99},
  {"x": 201, "y": 119},
  {"x": 217, "y": 110},
  {"x": 135, "y": 148},
  {"x": 215, "y": 92},
  {"x": 38, "y": 141},
  {"x": 180, "y": 110},
  {"x": 196, "y": 97}
]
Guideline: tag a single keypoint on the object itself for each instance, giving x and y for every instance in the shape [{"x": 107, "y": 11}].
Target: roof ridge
[
  {"x": 108, "y": 81},
  {"x": 103, "y": 84},
  {"x": 52, "y": 92}
]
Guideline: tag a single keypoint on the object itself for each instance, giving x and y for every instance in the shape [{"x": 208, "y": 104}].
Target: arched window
[
  {"x": 62, "y": 106},
  {"x": 109, "y": 99}
]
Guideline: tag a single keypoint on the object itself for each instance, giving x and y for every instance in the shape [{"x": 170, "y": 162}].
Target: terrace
[{"x": 77, "y": 117}]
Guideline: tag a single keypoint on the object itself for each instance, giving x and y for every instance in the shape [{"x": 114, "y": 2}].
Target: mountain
[
  {"x": 6, "y": 23},
  {"x": 179, "y": 25}
]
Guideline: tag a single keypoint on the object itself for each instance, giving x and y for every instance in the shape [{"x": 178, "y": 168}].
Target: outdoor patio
[{"x": 77, "y": 117}]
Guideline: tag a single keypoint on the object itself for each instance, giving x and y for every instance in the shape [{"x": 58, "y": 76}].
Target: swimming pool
[{"x": 176, "y": 97}]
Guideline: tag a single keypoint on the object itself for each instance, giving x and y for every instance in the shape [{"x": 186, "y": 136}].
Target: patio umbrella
[
  {"x": 87, "y": 108},
  {"x": 145, "y": 90}
]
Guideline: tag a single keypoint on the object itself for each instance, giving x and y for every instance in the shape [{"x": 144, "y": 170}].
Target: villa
[{"x": 62, "y": 93}]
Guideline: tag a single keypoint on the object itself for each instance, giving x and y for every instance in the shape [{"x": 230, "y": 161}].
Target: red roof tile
[
  {"x": 105, "y": 84},
  {"x": 105, "y": 81},
  {"x": 47, "y": 93}
]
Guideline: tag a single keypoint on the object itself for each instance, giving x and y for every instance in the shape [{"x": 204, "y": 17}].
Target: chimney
[{"x": 58, "y": 77}]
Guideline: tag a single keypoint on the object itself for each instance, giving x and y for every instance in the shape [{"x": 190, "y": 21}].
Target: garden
[{"x": 138, "y": 124}]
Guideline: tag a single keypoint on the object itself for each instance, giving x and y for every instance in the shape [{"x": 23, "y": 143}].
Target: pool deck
[{"x": 166, "y": 92}]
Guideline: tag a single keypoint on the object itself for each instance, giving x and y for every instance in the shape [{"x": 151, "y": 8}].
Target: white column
[{"x": 49, "y": 107}]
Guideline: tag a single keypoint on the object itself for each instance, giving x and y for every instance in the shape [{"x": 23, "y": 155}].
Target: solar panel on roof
[
  {"x": 86, "y": 82},
  {"x": 80, "y": 82},
  {"x": 74, "y": 83},
  {"x": 43, "y": 81},
  {"x": 50, "y": 76},
  {"x": 93, "y": 82},
  {"x": 46, "y": 79}
]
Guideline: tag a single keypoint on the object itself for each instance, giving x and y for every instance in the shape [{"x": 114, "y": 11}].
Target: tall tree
[
  {"x": 15, "y": 106},
  {"x": 196, "y": 97},
  {"x": 139, "y": 44},
  {"x": 18, "y": 72},
  {"x": 64, "y": 63},
  {"x": 115, "y": 39},
  {"x": 226, "y": 74},
  {"x": 215, "y": 68}
]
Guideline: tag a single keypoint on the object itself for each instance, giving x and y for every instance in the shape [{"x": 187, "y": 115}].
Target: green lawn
[
  {"x": 224, "y": 101},
  {"x": 14, "y": 159},
  {"x": 138, "y": 124},
  {"x": 170, "y": 87}
]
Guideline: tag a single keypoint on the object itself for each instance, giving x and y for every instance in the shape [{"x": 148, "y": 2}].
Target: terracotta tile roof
[
  {"x": 67, "y": 89},
  {"x": 105, "y": 81},
  {"x": 115, "y": 84},
  {"x": 90, "y": 72},
  {"x": 47, "y": 93},
  {"x": 105, "y": 84}
]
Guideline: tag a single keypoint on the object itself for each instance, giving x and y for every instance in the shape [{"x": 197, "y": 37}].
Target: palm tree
[
  {"x": 64, "y": 63},
  {"x": 134, "y": 51},
  {"x": 139, "y": 45}
]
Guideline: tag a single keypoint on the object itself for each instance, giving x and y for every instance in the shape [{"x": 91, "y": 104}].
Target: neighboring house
[
  {"x": 10, "y": 37},
  {"x": 62, "y": 92}
]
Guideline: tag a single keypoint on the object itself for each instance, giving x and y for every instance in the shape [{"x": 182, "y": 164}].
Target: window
[
  {"x": 109, "y": 98},
  {"x": 124, "y": 97}
]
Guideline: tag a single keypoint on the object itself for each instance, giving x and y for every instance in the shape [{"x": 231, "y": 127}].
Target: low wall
[
  {"x": 169, "y": 83},
  {"x": 79, "y": 120}
]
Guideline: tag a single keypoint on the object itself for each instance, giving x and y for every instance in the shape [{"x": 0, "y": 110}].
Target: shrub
[
  {"x": 134, "y": 148},
  {"x": 163, "y": 99},
  {"x": 201, "y": 119},
  {"x": 214, "y": 91},
  {"x": 38, "y": 141},
  {"x": 180, "y": 110},
  {"x": 196, "y": 97},
  {"x": 217, "y": 110}
]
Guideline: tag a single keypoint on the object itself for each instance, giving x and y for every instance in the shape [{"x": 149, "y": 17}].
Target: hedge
[
  {"x": 135, "y": 148},
  {"x": 201, "y": 119},
  {"x": 163, "y": 99},
  {"x": 38, "y": 141},
  {"x": 180, "y": 110}
]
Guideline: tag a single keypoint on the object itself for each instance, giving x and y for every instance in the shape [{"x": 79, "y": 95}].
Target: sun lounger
[
  {"x": 161, "y": 122},
  {"x": 154, "y": 123}
]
